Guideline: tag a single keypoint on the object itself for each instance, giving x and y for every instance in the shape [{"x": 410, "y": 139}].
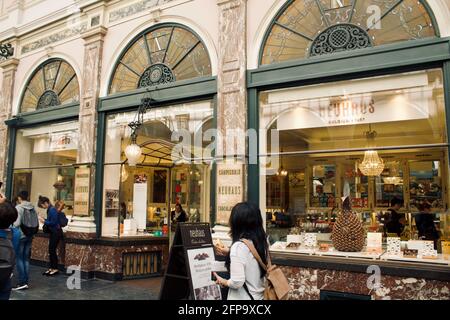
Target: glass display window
[
  {"x": 142, "y": 200},
  {"x": 45, "y": 164},
  {"x": 160, "y": 56},
  {"x": 54, "y": 83},
  {"x": 306, "y": 29},
  {"x": 382, "y": 141}
]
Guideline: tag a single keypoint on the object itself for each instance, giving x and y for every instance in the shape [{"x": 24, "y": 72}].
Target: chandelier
[
  {"x": 372, "y": 165},
  {"x": 281, "y": 171}
]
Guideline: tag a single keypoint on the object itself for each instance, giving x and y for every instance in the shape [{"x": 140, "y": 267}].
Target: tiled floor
[{"x": 55, "y": 288}]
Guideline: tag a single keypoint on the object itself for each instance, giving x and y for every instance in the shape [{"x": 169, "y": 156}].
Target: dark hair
[
  {"x": 43, "y": 200},
  {"x": 395, "y": 201},
  {"x": 246, "y": 223},
  {"x": 23, "y": 195},
  {"x": 423, "y": 206},
  {"x": 8, "y": 214},
  {"x": 179, "y": 204}
]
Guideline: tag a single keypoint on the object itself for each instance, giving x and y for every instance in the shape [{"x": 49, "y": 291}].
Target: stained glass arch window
[
  {"x": 53, "y": 83},
  {"x": 308, "y": 28},
  {"x": 160, "y": 55}
]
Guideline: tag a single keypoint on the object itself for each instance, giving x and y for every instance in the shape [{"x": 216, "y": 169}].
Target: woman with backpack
[
  {"x": 53, "y": 228},
  {"x": 247, "y": 276},
  {"x": 28, "y": 223},
  {"x": 9, "y": 243}
]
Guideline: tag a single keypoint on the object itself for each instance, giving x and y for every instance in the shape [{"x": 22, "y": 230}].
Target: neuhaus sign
[
  {"x": 341, "y": 111},
  {"x": 229, "y": 189},
  {"x": 357, "y": 109}
]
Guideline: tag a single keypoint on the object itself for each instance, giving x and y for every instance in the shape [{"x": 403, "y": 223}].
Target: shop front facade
[{"x": 338, "y": 98}]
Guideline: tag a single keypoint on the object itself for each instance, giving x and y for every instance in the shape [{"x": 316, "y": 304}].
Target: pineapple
[{"x": 348, "y": 233}]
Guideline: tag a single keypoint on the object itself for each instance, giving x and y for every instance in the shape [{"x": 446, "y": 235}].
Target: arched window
[
  {"x": 158, "y": 56},
  {"x": 306, "y": 28},
  {"x": 53, "y": 83}
]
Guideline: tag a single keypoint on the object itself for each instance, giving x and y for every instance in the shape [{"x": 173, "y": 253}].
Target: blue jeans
[
  {"x": 23, "y": 259},
  {"x": 5, "y": 290}
]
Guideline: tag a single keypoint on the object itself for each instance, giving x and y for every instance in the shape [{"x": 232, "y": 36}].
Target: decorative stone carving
[
  {"x": 232, "y": 101},
  {"x": 135, "y": 8},
  {"x": 6, "y": 94},
  {"x": 55, "y": 37},
  {"x": 340, "y": 37}
]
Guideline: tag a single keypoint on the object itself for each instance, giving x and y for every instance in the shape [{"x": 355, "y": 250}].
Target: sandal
[
  {"x": 53, "y": 272},
  {"x": 46, "y": 273}
]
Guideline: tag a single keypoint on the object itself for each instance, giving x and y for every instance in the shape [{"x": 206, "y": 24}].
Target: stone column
[
  {"x": 9, "y": 68},
  {"x": 93, "y": 52},
  {"x": 231, "y": 106}
]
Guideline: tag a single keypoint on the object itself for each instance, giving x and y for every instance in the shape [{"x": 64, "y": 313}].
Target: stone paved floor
[{"x": 51, "y": 288}]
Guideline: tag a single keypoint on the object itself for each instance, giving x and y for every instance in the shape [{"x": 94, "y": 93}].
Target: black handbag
[{"x": 46, "y": 228}]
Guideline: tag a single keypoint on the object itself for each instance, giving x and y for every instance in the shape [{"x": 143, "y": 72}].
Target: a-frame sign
[{"x": 190, "y": 262}]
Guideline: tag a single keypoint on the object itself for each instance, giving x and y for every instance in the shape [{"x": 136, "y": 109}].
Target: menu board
[
  {"x": 200, "y": 264},
  {"x": 82, "y": 190},
  {"x": 140, "y": 200}
]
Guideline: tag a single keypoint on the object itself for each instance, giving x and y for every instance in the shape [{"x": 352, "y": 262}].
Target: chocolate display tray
[{"x": 439, "y": 260}]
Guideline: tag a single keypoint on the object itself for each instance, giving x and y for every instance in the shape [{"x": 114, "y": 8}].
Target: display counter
[
  {"x": 106, "y": 258},
  {"x": 313, "y": 274}
]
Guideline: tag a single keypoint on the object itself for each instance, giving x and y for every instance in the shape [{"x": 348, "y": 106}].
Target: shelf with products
[{"x": 322, "y": 186}]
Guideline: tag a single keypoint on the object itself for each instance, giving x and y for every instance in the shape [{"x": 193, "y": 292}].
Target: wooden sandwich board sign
[{"x": 191, "y": 258}]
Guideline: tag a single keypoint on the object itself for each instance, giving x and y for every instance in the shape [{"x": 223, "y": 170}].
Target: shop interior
[
  {"x": 43, "y": 163},
  {"x": 339, "y": 139},
  {"x": 140, "y": 200}
]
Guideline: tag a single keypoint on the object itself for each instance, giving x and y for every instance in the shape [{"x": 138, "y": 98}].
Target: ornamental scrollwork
[
  {"x": 156, "y": 74},
  {"x": 341, "y": 37},
  {"x": 48, "y": 99}
]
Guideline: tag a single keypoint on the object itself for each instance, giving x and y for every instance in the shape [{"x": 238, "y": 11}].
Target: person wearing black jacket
[
  {"x": 178, "y": 215},
  {"x": 425, "y": 224},
  {"x": 395, "y": 221}
]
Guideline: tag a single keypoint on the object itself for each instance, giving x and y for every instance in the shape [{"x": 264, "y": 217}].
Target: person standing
[
  {"x": 52, "y": 226},
  {"x": 395, "y": 221},
  {"x": 246, "y": 275},
  {"x": 9, "y": 243},
  {"x": 28, "y": 224},
  {"x": 178, "y": 215},
  {"x": 425, "y": 224}
]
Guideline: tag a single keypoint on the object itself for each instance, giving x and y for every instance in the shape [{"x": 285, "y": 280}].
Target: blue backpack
[{"x": 63, "y": 221}]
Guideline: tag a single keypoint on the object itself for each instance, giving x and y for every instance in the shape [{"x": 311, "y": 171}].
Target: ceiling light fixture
[{"x": 373, "y": 164}]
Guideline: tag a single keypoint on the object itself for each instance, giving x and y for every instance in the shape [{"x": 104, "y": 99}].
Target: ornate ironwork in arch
[
  {"x": 341, "y": 37},
  {"x": 156, "y": 74},
  {"x": 48, "y": 99},
  {"x": 162, "y": 54},
  {"x": 301, "y": 24},
  {"x": 53, "y": 83}
]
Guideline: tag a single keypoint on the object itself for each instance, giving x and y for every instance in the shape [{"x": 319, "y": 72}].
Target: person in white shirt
[{"x": 247, "y": 277}]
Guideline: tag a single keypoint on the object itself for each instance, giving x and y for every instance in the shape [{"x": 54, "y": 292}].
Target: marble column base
[{"x": 82, "y": 225}]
